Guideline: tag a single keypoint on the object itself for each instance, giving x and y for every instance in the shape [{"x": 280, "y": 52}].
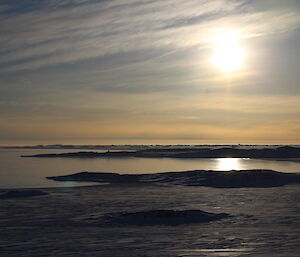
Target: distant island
[
  {"x": 282, "y": 152},
  {"x": 142, "y": 147}
]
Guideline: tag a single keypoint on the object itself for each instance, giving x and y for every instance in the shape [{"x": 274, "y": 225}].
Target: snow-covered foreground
[{"x": 70, "y": 222}]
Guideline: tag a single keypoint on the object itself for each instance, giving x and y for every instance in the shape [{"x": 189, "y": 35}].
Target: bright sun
[{"x": 228, "y": 54}]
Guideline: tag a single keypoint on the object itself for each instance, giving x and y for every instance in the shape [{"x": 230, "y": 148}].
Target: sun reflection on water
[{"x": 228, "y": 164}]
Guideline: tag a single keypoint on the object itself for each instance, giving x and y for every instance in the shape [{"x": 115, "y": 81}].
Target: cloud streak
[{"x": 89, "y": 29}]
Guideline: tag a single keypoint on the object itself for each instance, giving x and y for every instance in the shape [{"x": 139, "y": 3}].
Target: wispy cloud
[{"x": 70, "y": 31}]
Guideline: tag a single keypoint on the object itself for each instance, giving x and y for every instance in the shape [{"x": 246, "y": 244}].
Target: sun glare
[
  {"x": 227, "y": 164},
  {"x": 228, "y": 54}
]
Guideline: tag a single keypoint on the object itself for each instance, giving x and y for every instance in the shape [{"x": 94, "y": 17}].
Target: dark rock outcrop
[
  {"x": 163, "y": 217},
  {"x": 218, "y": 179}
]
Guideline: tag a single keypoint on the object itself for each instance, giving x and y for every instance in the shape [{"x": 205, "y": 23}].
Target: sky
[{"x": 140, "y": 72}]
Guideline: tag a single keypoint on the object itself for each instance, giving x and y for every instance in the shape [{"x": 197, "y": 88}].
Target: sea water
[{"x": 18, "y": 172}]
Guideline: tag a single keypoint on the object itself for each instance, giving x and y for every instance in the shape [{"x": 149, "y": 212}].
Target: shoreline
[
  {"x": 260, "y": 178},
  {"x": 96, "y": 184},
  {"x": 100, "y": 179}
]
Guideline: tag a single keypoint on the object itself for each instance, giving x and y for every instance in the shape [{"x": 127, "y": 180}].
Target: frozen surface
[
  {"x": 68, "y": 222},
  {"x": 124, "y": 219},
  {"x": 21, "y": 194}
]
